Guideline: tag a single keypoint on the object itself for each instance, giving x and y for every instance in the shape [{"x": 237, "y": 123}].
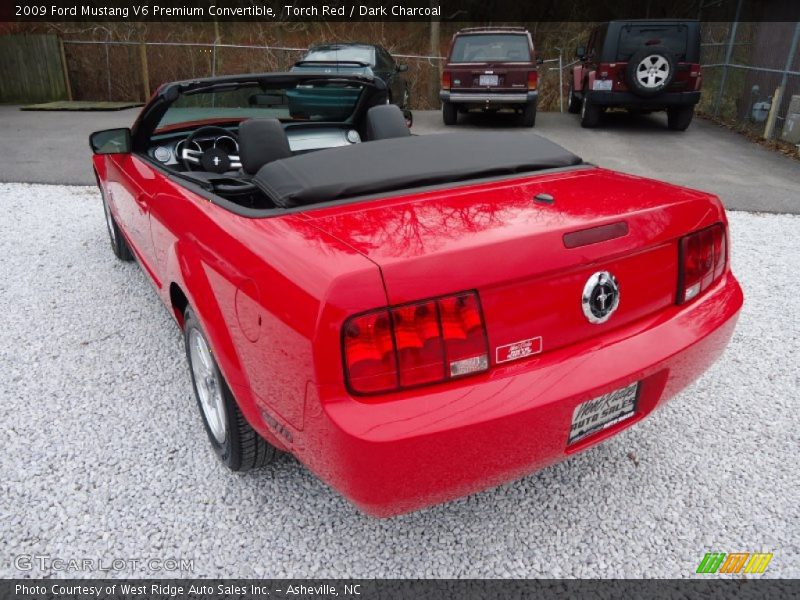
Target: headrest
[
  {"x": 386, "y": 121},
  {"x": 262, "y": 141}
]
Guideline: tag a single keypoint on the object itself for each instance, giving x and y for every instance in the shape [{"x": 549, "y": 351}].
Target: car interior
[
  {"x": 224, "y": 159},
  {"x": 262, "y": 166}
]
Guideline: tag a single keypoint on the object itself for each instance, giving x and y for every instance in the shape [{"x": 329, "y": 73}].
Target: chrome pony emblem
[{"x": 600, "y": 297}]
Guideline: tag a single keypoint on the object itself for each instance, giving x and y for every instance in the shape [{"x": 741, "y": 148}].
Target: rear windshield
[
  {"x": 342, "y": 53},
  {"x": 633, "y": 38},
  {"x": 490, "y": 48}
]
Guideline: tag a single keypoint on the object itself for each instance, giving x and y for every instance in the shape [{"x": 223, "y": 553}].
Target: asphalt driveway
[{"x": 53, "y": 147}]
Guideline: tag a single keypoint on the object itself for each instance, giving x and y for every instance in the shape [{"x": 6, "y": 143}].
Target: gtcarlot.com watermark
[{"x": 47, "y": 563}]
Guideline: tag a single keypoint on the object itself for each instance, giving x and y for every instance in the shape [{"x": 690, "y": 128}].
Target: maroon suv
[{"x": 489, "y": 69}]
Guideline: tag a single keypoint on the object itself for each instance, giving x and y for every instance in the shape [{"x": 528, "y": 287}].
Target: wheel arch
[{"x": 190, "y": 287}]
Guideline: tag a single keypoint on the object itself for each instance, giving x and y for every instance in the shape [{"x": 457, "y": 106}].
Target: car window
[
  {"x": 490, "y": 47},
  {"x": 589, "y": 50},
  {"x": 597, "y": 43},
  {"x": 633, "y": 38},
  {"x": 309, "y": 101},
  {"x": 344, "y": 53}
]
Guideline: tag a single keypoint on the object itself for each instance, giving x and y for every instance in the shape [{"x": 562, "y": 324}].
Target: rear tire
[
  {"x": 529, "y": 115},
  {"x": 118, "y": 244},
  {"x": 573, "y": 103},
  {"x": 590, "y": 113},
  {"x": 449, "y": 113},
  {"x": 236, "y": 444},
  {"x": 680, "y": 117}
]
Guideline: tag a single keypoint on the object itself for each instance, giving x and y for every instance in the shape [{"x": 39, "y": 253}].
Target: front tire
[
  {"x": 118, "y": 244},
  {"x": 236, "y": 444},
  {"x": 590, "y": 113},
  {"x": 680, "y": 117},
  {"x": 449, "y": 113}
]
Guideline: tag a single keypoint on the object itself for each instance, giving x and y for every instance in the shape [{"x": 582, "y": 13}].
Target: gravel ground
[{"x": 104, "y": 454}]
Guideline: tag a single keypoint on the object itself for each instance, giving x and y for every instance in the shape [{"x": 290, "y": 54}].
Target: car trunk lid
[{"x": 529, "y": 246}]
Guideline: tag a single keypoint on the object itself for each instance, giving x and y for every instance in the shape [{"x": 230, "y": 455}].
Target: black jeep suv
[{"x": 640, "y": 65}]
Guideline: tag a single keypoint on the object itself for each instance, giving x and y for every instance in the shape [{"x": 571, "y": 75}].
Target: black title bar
[
  {"x": 483, "y": 11},
  {"x": 367, "y": 589}
]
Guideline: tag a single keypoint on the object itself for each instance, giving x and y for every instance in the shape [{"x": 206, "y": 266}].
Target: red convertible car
[{"x": 415, "y": 318}]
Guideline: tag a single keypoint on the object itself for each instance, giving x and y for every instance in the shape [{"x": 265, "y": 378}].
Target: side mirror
[
  {"x": 402, "y": 68},
  {"x": 539, "y": 60},
  {"x": 111, "y": 141},
  {"x": 580, "y": 52}
]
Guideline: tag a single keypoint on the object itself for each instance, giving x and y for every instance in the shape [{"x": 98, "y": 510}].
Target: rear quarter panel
[{"x": 263, "y": 290}]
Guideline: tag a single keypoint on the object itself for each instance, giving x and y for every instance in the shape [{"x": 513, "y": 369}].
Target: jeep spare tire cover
[{"x": 650, "y": 71}]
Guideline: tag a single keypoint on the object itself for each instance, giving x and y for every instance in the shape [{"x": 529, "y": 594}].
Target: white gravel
[{"x": 104, "y": 455}]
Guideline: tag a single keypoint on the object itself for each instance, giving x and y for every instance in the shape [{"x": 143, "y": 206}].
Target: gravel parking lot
[{"x": 105, "y": 455}]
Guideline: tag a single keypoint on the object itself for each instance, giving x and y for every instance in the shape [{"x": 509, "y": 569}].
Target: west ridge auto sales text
[
  {"x": 159, "y": 589},
  {"x": 255, "y": 10}
]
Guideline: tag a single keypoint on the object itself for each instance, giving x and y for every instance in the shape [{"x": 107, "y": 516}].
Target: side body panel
[{"x": 258, "y": 286}]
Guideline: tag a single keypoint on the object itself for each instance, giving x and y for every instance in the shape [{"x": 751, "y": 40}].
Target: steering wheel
[{"x": 214, "y": 160}]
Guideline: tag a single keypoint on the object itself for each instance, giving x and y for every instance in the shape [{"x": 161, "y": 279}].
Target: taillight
[
  {"x": 446, "y": 80},
  {"x": 533, "y": 80},
  {"x": 703, "y": 255},
  {"x": 415, "y": 344}
]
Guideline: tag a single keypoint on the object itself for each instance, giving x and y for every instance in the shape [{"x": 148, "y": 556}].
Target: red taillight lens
[
  {"x": 419, "y": 344},
  {"x": 464, "y": 335},
  {"x": 415, "y": 344},
  {"x": 369, "y": 352},
  {"x": 703, "y": 255},
  {"x": 533, "y": 80},
  {"x": 446, "y": 80}
]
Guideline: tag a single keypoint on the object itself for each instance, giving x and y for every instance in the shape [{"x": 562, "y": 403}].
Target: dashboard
[{"x": 166, "y": 149}]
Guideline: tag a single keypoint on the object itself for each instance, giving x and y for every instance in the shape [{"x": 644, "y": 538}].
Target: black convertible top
[{"x": 402, "y": 163}]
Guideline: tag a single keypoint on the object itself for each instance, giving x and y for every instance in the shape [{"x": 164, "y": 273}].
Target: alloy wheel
[
  {"x": 208, "y": 384},
  {"x": 652, "y": 71}
]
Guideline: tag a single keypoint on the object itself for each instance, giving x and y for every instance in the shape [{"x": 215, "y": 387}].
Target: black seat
[
  {"x": 261, "y": 141},
  {"x": 386, "y": 121}
]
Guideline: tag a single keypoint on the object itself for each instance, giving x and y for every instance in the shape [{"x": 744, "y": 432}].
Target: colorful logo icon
[{"x": 735, "y": 562}]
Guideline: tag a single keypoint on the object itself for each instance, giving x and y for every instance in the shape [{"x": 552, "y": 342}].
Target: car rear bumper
[
  {"x": 435, "y": 444},
  {"x": 609, "y": 98},
  {"x": 490, "y": 98}
]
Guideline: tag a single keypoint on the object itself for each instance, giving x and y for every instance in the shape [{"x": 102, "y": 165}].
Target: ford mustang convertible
[{"x": 415, "y": 318}]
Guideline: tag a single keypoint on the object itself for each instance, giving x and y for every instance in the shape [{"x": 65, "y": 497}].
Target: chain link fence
[
  {"x": 751, "y": 72},
  {"x": 126, "y": 71},
  {"x": 122, "y": 71},
  {"x": 751, "y": 77}
]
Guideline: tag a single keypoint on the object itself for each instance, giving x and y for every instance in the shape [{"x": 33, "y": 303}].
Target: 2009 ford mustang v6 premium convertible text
[{"x": 414, "y": 317}]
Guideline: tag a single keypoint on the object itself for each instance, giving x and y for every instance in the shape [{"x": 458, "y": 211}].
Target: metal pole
[
  {"x": 214, "y": 49},
  {"x": 434, "y": 74},
  {"x": 108, "y": 73},
  {"x": 560, "y": 82},
  {"x": 728, "y": 56},
  {"x": 770, "y": 133}
]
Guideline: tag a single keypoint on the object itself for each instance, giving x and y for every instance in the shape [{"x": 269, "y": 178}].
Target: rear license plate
[
  {"x": 489, "y": 80},
  {"x": 595, "y": 415}
]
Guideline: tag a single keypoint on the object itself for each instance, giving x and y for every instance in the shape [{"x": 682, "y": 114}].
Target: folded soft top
[{"x": 402, "y": 163}]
